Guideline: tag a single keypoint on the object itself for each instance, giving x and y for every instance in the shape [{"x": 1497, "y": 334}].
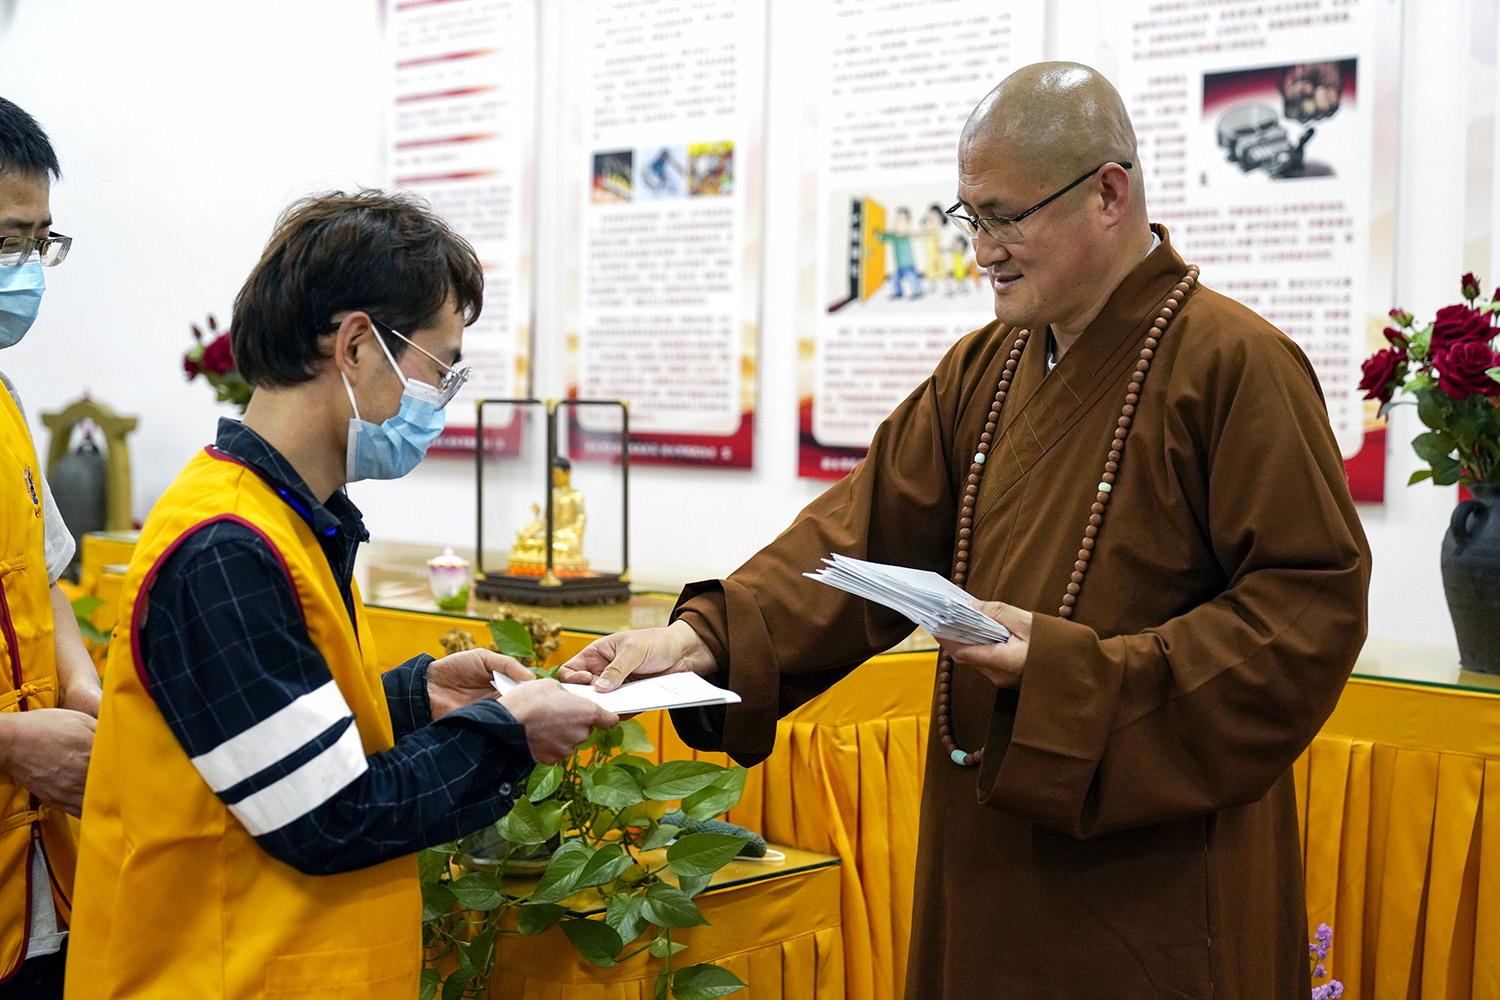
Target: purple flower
[
  {"x": 1324, "y": 935},
  {"x": 1320, "y": 970}
]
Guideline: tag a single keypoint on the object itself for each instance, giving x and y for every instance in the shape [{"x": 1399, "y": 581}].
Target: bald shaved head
[
  {"x": 1060, "y": 118},
  {"x": 1043, "y": 161}
]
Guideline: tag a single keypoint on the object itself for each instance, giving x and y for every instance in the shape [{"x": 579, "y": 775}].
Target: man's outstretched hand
[{"x": 608, "y": 661}]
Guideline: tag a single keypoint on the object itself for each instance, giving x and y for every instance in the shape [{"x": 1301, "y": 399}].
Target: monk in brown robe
[{"x": 1130, "y": 829}]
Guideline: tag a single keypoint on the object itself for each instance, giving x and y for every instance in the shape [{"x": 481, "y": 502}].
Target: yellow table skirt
[
  {"x": 1401, "y": 825},
  {"x": 1400, "y": 797}
]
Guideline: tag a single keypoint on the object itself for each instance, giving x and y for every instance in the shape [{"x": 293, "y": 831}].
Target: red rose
[
  {"x": 1457, "y": 325},
  {"x": 190, "y": 366},
  {"x": 217, "y": 358},
  {"x": 1470, "y": 286},
  {"x": 1396, "y": 337},
  {"x": 1462, "y": 369},
  {"x": 1382, "y": 372}
]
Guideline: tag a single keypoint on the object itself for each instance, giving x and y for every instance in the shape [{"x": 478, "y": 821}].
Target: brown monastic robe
[{"x": 1132, "y": 831}]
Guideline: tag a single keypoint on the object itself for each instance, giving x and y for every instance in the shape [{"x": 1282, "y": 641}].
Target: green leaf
[
  {"x": 680, "y": 778},
  {"x": 604, "y": 867},
  {"x": 691, "y": 885},
  {"x": 703, "y": 853},
  {"x": 458, "y": 982},
  {"x": 482, "y": 950},
  {"x": 1391, "y": 404},
  {"x": 437, "y": 900},
  {"x": 560, "y": 879},
  {"x": 1419, "y": 342},
  {"x": 623, "y": 913},
  {"x": 543, "y": 781},
  {"x": 512, "y": 639},
  {"x": 536, "y": 918},
  {"x": 668, "y": 906},
  {"x": 660, "y": 836},
  {"x": 595, "y": 940},
  {"x": 610, "y": 739},
  {"x": 1493, "y": 373},
  {"x": 431, "y": 980},
  {"x": 1419, "y": 476},
  {"x": 705, "y": 982},
  {"x": 611, "y": 787},
  {"x": 718, "y": 798},
  {"x": 661, "y": 947},
  {"x": 88, "y": 604},
  {"x": 637, "y": 764},
  {"x": 431, "y": 864},
  {"x": 97, "y": 636},
  {"x": 1446, "y": 472},
  {"x": 477, "y": 891},
  {"x": 1433, "y": 446},
  {"x": 663, "y": 980},
  {"x": 1432, "y": 407},
  {"x": 633, "y": 738},
  {"x": 523, "y": 826}
]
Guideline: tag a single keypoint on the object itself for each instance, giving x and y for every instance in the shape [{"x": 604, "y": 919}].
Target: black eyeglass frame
[
  {"x": 24, "y": 245},
  {"x": 974, "y": 224}
]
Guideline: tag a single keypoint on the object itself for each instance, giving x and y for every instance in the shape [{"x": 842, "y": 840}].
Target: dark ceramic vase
[{"x": 1471, "y": 578}]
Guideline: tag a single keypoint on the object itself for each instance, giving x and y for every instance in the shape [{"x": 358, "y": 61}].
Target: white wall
[{"x": 184, "y": 127}]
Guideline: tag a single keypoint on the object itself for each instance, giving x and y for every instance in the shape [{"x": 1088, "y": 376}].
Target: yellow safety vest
[
  {"x": 28, "y": 680},
  {"x": 177, "y": 900}
]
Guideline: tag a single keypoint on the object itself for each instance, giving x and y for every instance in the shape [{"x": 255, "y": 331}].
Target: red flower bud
[{"x": 1470, "y": 285}]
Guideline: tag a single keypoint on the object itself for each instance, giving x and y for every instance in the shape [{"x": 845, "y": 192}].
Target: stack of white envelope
[{"x": 938, "y": 605}]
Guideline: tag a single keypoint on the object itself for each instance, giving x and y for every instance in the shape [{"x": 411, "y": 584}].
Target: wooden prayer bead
[{"x": 1096, "y": 516}]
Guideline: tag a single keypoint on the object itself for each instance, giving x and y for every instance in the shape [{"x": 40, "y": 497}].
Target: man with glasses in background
[
  {"x": 259, "y": 787},
  {"x": 49, "y": 691},
  {"x": 1143, "y": 472}
]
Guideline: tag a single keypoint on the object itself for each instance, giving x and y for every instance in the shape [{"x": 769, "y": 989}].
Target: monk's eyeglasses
[{"x": 1007, "y": 229}]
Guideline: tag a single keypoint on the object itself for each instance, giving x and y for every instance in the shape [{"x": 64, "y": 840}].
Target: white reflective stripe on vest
[
  {"x": 273, "y": 738},
  {"x": 306, "y": 788}
]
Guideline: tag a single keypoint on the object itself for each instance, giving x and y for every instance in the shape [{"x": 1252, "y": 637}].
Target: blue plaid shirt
[{"x": 225, "y": 650}]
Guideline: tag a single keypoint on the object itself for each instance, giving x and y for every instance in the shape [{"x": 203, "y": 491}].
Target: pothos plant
[{"x": 602, "y": 807}]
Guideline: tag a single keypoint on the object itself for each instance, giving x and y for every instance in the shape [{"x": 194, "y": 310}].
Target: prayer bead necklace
[{"x": 1096, "y": 511}]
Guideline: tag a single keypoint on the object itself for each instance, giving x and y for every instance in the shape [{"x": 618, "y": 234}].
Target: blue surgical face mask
[
  {"x": 20, "y": 298},
  {"x": 391, "y": 449}
]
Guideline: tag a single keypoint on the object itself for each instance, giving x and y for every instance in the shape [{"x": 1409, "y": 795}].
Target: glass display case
[{"x": 550, "y": 531}]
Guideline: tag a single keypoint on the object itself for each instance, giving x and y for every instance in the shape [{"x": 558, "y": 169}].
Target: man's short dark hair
[
  {"x": 24, "y": 147},
  {"x": 386, "y": 254}
]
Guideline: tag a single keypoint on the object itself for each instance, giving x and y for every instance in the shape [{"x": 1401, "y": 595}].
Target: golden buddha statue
[{"x": 528, "y": 557}]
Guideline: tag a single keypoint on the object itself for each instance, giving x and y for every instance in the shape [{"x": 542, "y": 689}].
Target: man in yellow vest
[
  {"x": 258, "y": 786},
  {"x": 49, "y": 692}
]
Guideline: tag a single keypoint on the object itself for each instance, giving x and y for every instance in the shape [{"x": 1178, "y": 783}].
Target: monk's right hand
[
  {"x": 46, "y": 751},
  {"x": 643, "y": 652},
  {"x": 555, "y": 720}
]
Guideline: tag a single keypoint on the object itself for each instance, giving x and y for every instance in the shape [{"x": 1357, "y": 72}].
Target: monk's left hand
[
  {"x": 463, "y": 678},
  {"x": 1003, "y": 662}
]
